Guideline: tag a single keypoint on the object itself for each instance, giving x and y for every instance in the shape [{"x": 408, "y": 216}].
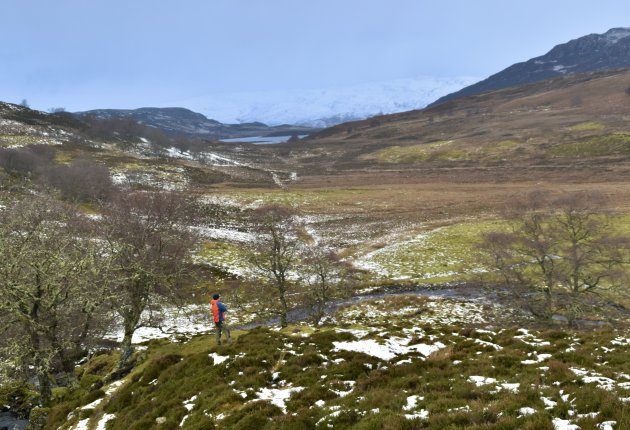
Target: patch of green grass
[
  {"x": 445, "y": 151},
  {"x": 610, "y": 144},
  {"x": 22, "y": 140},
  {"x": 436, "y": 151},
  {"x": 587, "y": 126},
  {"x": 441, "y": 255},
  {"x": 224, "y": 256}
]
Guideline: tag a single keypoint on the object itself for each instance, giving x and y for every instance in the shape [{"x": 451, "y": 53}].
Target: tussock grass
[{"x": 349, "y": 389}]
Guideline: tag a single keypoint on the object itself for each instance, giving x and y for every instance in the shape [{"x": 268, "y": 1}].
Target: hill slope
[
  {"x": 572, "y": 119},
  {"x": 398, "y": 362},
  {"x": 590, "y": 53}
]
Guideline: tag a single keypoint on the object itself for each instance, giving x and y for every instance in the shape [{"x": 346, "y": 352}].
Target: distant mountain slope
[
  {"x": 594, "y": 52},
  {"x": 577, "y": 118},
  {"x": 177, "y": 120},
  {"x": 325, "y": 107}
]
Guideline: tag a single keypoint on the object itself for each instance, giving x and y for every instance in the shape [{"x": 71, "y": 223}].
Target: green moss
[{"x": 19, "y": 397}]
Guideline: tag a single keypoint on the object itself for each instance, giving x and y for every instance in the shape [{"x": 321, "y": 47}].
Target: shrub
[
  {"x": 25, "y": 162},
  {"x": 19, "y": 397},
  {"x": 158, "y": 365},
  {"x": 538, "y": 421},
  {"x": 252, "y": 416},
  {"x": 83, "y": 180},
  {"x": 38, "y": 417}
]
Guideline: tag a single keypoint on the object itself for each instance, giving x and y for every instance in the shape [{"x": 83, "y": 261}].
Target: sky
[{"x": 88, "y": 54}]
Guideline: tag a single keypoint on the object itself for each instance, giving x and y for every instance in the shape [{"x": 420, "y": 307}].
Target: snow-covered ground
[{"x": 174, "y": 322}]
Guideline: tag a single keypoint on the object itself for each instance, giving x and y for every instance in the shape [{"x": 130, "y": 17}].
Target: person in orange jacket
[{"x": 218, "y": 311}]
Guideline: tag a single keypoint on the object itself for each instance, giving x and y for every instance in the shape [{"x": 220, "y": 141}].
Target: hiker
[{"x": 218, "y": 310}]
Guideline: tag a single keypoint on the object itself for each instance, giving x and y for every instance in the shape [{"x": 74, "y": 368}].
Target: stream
[
  {"x": 9, "y": 422},
  {"x": 455, "y": 292}
]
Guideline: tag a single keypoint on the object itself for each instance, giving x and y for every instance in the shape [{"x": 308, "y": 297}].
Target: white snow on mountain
[
  {"x": 616, "y": 34},
  {"x": 325, "y": 107}
]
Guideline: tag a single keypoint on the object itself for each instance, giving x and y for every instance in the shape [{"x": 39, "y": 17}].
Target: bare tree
[
  {"x": 150, "y": 244},
  {"x": 563, "y": 247},
  {"x": 51, "y": 289},
  {"x": 275, "y": 253},
  {"x": 28, "y": 161},
  {"x": 326, "y": 278},
  {"x": 83, "y": 180}
]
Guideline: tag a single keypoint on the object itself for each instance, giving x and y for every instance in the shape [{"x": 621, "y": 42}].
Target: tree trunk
[
  {"x": 284, "y": 309},
  {"x": 66, "y": 357},
  {"x": 548, "y": 303},
  {"x": 126, "y": 347},
  {"x": 45, "y": 390}
]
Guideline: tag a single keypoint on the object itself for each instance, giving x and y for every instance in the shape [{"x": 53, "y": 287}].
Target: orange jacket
[{"x": 218, "y": 309}]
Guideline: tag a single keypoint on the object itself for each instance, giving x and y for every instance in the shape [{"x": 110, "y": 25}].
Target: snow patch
[
  {"x": 560, "y": 424},
  {"x": 480, "y": 381},
  {"x": 218, "y": 359},
  {"x": 391, "y": 349},
  {"x": 412, "y": 402},
  {"x": 101, "y": 425},
  {"x": 526, "y": 411},
  {"x": 278, "y": 397},
  {"x": 423, "y": 415}
]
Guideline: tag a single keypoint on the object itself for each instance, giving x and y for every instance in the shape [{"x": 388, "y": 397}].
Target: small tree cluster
[
  {"x": 292, "y": 273},
  {"x": 326, "y": 278},
  {"x": 51, "y": 281},
  {"x": 564, "y": 248},
  {"x": 82, "y": 180},
  {"x": 146, "y": 236},
  {"x": 63, "y": 276}
]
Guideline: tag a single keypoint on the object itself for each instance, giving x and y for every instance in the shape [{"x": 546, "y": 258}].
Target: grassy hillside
[
  {"x": 405, "y": 363},
  {"x": 553, "y": 121}
]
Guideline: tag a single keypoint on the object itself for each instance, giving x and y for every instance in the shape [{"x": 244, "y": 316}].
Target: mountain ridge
[
  {"x": 183, "y": 121},
  {"x": 590, "y": 53}
]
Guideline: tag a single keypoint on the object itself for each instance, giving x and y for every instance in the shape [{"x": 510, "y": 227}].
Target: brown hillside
[
  {"x": 564, "y": 120},
  {"x": 474, "y": 155}
]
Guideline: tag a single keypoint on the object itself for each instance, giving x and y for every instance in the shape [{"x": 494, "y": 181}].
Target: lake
[{"x": 262, "y": 140}]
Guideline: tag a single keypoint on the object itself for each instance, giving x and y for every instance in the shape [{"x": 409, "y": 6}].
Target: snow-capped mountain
[
  {"x": 590, "y": 53},
  {"x": 325, "y": 107}
]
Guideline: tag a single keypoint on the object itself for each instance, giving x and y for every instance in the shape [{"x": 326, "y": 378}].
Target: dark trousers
[{"x": 221, "y": 327}]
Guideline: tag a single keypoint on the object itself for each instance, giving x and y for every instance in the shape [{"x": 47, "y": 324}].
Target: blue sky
[{"x": 83, "y": 54}]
